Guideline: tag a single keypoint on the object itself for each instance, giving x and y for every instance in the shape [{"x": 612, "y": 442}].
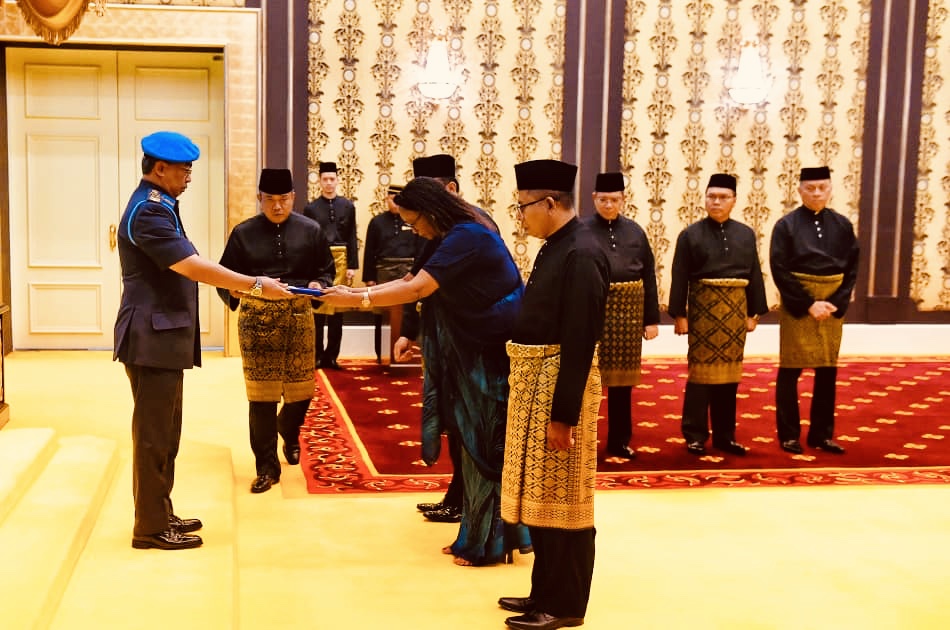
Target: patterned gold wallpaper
[
  {"x": 679, "y": 124},
  {"x": 930, "y": 273},
  {"x": 365, "y": 113}
]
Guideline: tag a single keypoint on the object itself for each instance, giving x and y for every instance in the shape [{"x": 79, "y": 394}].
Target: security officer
[{"x": 156, "y": 330}]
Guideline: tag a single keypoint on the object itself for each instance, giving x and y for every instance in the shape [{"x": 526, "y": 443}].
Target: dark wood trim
[
  {"x": 7, "y": 339},
  {"x": 276, "y": 84},
  {"x": 298, "y": 93}
]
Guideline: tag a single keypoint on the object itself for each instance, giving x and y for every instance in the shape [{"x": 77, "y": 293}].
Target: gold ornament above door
[{"x": 53, "y": 20}]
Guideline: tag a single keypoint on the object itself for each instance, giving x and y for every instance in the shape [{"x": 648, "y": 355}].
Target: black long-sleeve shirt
[
  {"x": 564, "y": 303},
  {"x": 708, "y": 249},
  {"x": 816, "y": 243},
  {"x": 337, "y": 217},
  {"x": 630, "y": 257},
  {"x": 388, "y": 236},
  {"x": 296, "y": 251}
]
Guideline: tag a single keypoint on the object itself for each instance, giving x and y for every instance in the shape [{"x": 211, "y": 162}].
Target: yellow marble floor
[{"x": 826, "y": 557}]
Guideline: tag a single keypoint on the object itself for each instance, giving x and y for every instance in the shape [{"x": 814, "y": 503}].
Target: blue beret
[{"x": 170, "y": 146}]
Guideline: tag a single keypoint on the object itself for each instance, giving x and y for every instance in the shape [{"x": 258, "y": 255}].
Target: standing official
[
  {"x": 156, "y": 330},
  {"x": 277, "y": 336},
  {"x": 390, "y": 248},
  {"x": 717, "y": 296},
  {"x": 551, "y": 442},
  {"x": 814, "y": 260},
  {"x": 633, "y": 310},
  {"x": 337, "y": 216}
]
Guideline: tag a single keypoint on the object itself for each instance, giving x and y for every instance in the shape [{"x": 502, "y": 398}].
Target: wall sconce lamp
[
  {"x": 438, "y": 81},
  {"x": 751, "y": 82}
]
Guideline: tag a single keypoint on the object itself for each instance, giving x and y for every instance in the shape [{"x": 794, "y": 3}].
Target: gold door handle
[{"x": 113, "y": 241}]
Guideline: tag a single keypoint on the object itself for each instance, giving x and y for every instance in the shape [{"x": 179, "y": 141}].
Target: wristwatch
[
  {"x": 366, "y": 303},
  {"x": 258, "y": 289}
]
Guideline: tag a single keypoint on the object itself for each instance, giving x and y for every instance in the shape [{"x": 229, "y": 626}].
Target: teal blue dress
[{"x": 467, "y": 322}]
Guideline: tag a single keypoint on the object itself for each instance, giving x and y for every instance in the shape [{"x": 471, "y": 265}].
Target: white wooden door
[{"x": 75, "y": 119}]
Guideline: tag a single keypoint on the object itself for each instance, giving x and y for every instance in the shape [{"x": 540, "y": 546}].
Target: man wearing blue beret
[{"x": 156, "y": 330}]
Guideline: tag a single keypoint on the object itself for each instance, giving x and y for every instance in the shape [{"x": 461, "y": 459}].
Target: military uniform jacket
[{"x": 157, "y": 324}]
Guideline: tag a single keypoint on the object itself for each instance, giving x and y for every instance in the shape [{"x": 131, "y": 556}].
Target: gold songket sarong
[
  {"x": 805, "y": 342},
  {"x": 277, "y": 339},
  {"x": 339, "y": 261},
  {"x": 542, "y": 487},
  {"x": 388, "y": 269},
  {"x": 622, "y": 342},
  {"x": 717, "y": 329}
]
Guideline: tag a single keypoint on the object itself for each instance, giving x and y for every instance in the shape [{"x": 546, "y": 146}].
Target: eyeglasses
[
  {"x": 522, "y": 206},
  {"x": 412, "y": 224}
]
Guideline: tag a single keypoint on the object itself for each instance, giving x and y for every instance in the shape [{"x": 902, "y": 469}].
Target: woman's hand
[{"x": 338, "y": 295}]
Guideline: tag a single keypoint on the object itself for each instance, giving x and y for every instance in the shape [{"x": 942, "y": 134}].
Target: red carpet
[{"x": 362, "y": 431}]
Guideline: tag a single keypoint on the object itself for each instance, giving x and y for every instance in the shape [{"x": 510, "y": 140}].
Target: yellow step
[
  {"x": 46, "y": 531},
  {"x": 23, "y": 454}
]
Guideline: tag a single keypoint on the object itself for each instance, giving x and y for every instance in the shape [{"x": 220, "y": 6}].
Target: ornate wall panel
[
  {"x": 930, "y": 273},
  {"x": 679, "y": 125},
  {"x": 365, "y": 113}
]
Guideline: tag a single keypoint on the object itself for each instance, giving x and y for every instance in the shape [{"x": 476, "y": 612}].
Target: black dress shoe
[
  {"x": 430, "y": 507},
  {"x": 330, "y": 365},
  {"x": 542, "y": 621},
  {"x": 696, "y": 448},
  {"x": 169, "y": 539},
  {"x": 263, "y": 483},
  {"x": 733, "y": 448},
  {"x": 793, "y": 446},
  {"x": 829, "y": 446},
  {"x": 184, "y": 525},
  {"x": 292, "y": 454},
  {"x": 622, "y": 451},
  {"x": 517, "y": 604},
  {"x": 445, "y": 515}
]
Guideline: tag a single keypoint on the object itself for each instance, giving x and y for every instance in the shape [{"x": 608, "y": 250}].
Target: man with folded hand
[
  {"x": 814, "y": 260},
  {"x": 277, "y": 336}
]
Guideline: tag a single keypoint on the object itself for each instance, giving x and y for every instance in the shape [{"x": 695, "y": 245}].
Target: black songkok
[
  {"x": 609, "y": 182},
  {"x": 545, "y": 175},
  {"x": 394, "y": 189},
  {"x": 275, "y": 181},
  {"x": 441, "y": 166},
  {"x": 815, "y": 172},
  {"x": 328, "y": 167},
  {"x": 722, "y": 180}
]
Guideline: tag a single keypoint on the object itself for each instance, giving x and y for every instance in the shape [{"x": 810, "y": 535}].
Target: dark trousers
[
  {"x": 787, "y": 414},
  {"x": 334, "y": 337},
  {"x": 619, "y": 429},
  {"x": 563, "y": 569},
  {"x": 265, "y": 423},
  {"x": 453, "y": 494},
  {"x": 156, "y": 434},
  {"x": 710, "y": 404}
]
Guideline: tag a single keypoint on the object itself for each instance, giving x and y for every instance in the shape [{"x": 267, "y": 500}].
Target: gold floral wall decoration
[
  {"x": 660, "y": 112},
  {"x": 727, "y": 113},
  {"x": 694, "y": 144},
  {"x": 524, "y": 141},
  {"x": 759, "y": 146},
  {"x": 860, "y": 48},
  {"x": 349, "y": 105},
  {"x": 795, "y": 46},
  {"x": 554, "y": 107},
  {"x": 317, "y": 71},
  {"x": 487, "y": 109},
  {"x": 454, "y": 140},
  {"x": 419, "y": 108},
  {"x": 386, "y": 72},
  {"x": 931, "y": 250},
  {"x": 632, "y": 77}
]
